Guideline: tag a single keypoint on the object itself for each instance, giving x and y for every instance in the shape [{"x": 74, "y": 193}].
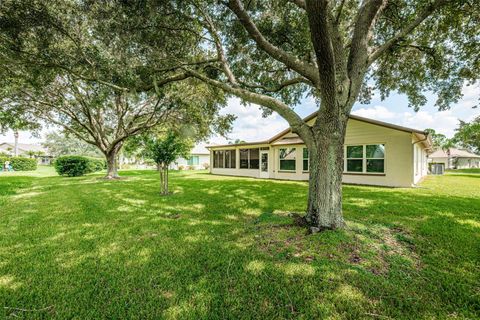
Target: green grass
[
  {"x": 470, "y": 170},
  {"x": 224, "y": 247}
]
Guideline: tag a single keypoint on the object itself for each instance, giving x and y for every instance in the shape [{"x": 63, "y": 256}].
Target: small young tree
[{"x": 164, "y": 151}]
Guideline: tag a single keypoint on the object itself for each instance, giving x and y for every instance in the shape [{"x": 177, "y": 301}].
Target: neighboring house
[
  {"x": 27, "y": 150},
  {"x": 376, "y": 153},
  {"x": 198, "y": 159},
  {"x": 455, "y": 158}
]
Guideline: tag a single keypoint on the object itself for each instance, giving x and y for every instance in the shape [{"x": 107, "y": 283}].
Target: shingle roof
[
  {"x": 455, "y": 153},
  {"x": 354, "y": 117},
  {"x": 25, "y": 146}
]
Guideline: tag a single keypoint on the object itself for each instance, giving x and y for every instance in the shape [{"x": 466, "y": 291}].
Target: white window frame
[{"x": 308, "y": 160}]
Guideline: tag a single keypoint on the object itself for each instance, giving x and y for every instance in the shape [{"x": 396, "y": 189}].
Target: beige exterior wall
[
  {"x": 405, "y": 160},
  {"x": 459, "y": 163},
  {"x": 466, "y": 163},
  {"x": 202, "y": 159}
]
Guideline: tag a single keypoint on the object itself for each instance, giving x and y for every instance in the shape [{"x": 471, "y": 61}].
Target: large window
[
  {"x": 375, "y": 157},
  {"x": 287, "y": 159},
  {"x": 305, "y": 159},
  {"x": 193, "y": 161},
  {"x": 368, "y": 158},
  {"x": 224, "y": 159},
  {"x": 249, "y": 158}
]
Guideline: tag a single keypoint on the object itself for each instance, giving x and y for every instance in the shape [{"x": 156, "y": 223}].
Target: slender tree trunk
[
  {"x": 163, "y": 169},
  {"x": 324, "y": 208},
  {"x": 15, "y": 146}
]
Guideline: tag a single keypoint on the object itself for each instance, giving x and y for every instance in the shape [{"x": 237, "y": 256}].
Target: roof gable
[{"x": 313, "y": 116}]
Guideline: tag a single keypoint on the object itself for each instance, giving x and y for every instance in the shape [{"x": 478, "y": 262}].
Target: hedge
[
  {"x": 74, "y": 166},
  {"x": 20, "y": 163}
]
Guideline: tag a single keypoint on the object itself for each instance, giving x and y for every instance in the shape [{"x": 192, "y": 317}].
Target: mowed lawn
[{"x": 224, "y": 248}]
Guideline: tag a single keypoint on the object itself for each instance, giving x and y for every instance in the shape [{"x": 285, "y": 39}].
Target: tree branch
[
  {"x": 305, "y": 69},
  {"x": 218, "y": 44},
  {"x": 424, "y": 14},
  {"x": 321, "y": 35},
  {"x": 277, "y": 88},
  {"x": 362, "y": 32},
  {"x": 300, "y": 3},
  {"x": 296, "y": 123}
]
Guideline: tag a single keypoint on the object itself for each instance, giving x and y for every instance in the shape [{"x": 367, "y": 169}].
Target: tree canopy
[{"x": 467, "y": 134}]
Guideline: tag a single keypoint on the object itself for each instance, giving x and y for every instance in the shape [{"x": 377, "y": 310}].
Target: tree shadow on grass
[{"x": 224, "y": 248}]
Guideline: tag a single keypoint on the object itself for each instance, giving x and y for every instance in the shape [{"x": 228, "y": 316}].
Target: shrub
[
  {"x": 190, "y": 167},
  {"x": 96, "y": 164},
  {"x": 206, "y": 166},
  {"x": 74, "y": 166},
  {"x": 23, "y": 164},
  {"x": 2, "y": 160},
  {"x": 180, "y": 167}
]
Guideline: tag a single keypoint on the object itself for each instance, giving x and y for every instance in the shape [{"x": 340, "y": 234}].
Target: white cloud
[
  {"x": 250, "y": 125},
  {"x": 376, "y": 112},
  {"x": 429, "y": 117}
]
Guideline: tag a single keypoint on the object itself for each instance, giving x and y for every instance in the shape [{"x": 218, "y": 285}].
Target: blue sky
[{"x": 251, "y": 126}]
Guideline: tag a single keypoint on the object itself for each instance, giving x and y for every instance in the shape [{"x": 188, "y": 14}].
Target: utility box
[{"x": 437, "y": 168}]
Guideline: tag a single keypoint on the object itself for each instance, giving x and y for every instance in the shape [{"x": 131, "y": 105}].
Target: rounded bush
[
  {"x": 23, "y": 164},
  {"x": 96, "y": 164},
  {"x": 75, "y": 166}
]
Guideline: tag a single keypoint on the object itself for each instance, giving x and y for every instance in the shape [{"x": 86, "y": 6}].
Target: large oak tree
[
  {"x": 274, "y": 53},
  {"x": 79, "y": 65}
]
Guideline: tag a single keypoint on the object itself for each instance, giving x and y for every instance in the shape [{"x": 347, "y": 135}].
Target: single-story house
[
  {"x": 376, "y": 153},
  {"x": 455, "y": 158},
  {"x": 28, "y": 151},
  {"x": 198, "y": 159}
]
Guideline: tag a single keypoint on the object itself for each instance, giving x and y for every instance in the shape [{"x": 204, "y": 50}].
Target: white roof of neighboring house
[
  {"x": 455, "y": 153},
  {"x": 23, "y": 147},
  {"x": 199, "y": 149}
]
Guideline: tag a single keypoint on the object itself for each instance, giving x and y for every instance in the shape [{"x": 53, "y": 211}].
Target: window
[
  {"x": 375, "y": 155},
  {"x": 365, "y": 158},
  {"x": 305, "y": 159},
  {"x": 287, "y": 159},
  {"x": 193, "y": 161},
  {"x": 354, "y": 158},
  {"x": 249, "y": 158},
  {"x": 222, "y": 159}
]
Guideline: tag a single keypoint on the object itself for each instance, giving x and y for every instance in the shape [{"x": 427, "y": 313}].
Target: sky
[{"x": 251, "y": 126}]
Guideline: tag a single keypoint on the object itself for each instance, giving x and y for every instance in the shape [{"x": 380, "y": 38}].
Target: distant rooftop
[
  {"x": 455, "y": 153},
  {"x": 22, "y": 147}
]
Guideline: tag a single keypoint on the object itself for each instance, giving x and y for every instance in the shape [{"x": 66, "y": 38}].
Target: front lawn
[{"x": 223, "y": 247}]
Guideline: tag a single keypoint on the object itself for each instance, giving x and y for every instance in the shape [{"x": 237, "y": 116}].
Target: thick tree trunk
[
  {"x": 324, "y": 209},
  {"x": 112, "y": 164}
]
